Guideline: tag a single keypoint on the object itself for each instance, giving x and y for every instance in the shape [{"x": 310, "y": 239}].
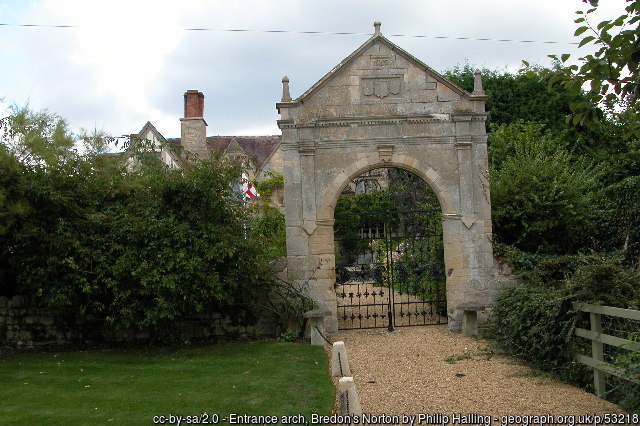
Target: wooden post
[
  {"x": 599, "y": 339},
  {"x": 597, "y": 353}
]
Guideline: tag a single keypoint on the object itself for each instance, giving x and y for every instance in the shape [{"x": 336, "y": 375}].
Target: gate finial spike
[{"x": 376, "y": 26}]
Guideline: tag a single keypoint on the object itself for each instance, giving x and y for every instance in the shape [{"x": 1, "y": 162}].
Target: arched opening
[{"x": 389, "y": 252}]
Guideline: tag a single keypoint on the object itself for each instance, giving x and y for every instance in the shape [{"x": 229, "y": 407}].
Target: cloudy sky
[{"x": 130, "y": 61}]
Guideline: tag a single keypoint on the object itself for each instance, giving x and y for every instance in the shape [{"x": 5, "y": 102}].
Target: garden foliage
[
  {"x": 542, "y": 197},
  {"x": 514, "y": 97},
  {"x": 535, "y": 324},
  {"x": 612, "y": 72},
  {"x": 564, "y": 168},
  {"x": 94, "y": 240}
]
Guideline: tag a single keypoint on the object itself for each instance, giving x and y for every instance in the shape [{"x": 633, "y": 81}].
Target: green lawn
[{"x": 133, "y": 386}]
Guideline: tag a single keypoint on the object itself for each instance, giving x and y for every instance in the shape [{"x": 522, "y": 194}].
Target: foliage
[
  {"x": 605, "y": 283},
  {"x": 399, "y": 245},
  {"x": 135, "y": 249},
  {"x": 409, "y": 192},
  {"x": 542, "y": 268},
  {"x": 418, "y": 260},
  {"x": 612, "y": 72},
  {"x": 535, "y": 324},
  {"x": 629, "y": 363},
  {"x": 371, "y": 202},
  {"x": 526, "y": 96},
  {"x": 133, "y": 386},
  {"x": 404, "y": 191},
  {"x": 619, "y": 218},
  {"x": 358, "y": 212},
  {"x": 269, "y": 228},
  {"x": 40, "y": 137},
  {"x": 286, "y": 305},
  {"x": 618, "y": 155},
  {"x": 522, "y": 96},
  {"x": 35, "y": 137},
  {"x": 508, "y": 140},
  {"x": 267, "y": 186},
  {"x": 290, "y": 335},
  {"x": 541, "y": 196}
]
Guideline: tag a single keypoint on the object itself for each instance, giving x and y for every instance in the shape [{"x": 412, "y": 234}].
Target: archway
[
  {"x": 389, "y": 255},
  {"x": 381, "y": 107}
]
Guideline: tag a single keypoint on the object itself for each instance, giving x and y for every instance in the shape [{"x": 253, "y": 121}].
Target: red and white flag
[{"x": 248, "y": 189}]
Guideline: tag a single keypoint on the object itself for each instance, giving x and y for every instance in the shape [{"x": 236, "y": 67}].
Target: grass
[
  {"x": 133, "y": 386},
  {"x": 458, "y": 357}
]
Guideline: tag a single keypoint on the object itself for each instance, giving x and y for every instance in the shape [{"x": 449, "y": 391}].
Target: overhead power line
[{"x": 245, "y": 30}]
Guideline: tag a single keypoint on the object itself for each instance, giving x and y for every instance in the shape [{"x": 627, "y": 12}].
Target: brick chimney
[{"x": 193, "y": 133}]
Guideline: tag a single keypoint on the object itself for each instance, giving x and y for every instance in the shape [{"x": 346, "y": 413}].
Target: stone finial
[
  {"x": 477, "y": 83},
  {"x": 286, "y": 96},
  {"x": 376, "y": 26}
]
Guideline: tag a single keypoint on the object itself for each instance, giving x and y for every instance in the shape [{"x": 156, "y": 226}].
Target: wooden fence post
[
  {"x": 599, "y": 339},
  {"x": 597, "y": 353}
]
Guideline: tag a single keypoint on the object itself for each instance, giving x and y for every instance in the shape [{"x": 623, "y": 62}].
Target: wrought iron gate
[{"x": 389, "y": 269}]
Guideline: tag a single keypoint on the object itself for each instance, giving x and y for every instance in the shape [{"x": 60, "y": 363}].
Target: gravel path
[{"x": 405, "y": 372}]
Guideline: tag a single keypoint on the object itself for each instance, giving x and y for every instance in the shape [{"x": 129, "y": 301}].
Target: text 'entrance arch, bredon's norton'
[{"x": 383, "y": 108}]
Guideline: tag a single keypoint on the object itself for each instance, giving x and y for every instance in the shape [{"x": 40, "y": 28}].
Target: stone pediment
[{"x": 379, "y": 73}]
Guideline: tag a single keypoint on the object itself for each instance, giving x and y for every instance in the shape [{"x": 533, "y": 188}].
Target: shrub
[
  {"x": 541, "y": 197},
  {"x": 605, "y": 283},
  {"x": 269, "y": 228},
  {"x": 141, "y": 250},
  {"x": 540, "y": 268},
  {"x": 629, "y": 392},
  {"x": 536, "y": 325},
  {"x": 619, "y": 218}
]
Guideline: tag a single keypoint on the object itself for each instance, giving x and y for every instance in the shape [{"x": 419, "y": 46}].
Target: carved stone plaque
[
  {"x": 381, "y": 86},
  {"x": 380, "y": 61}
]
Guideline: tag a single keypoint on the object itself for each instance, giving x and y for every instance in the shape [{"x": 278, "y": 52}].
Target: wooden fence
[{"x": 598, "y": 340}]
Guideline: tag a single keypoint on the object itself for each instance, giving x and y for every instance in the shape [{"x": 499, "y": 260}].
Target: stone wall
[{"x": 24, "y": 324}]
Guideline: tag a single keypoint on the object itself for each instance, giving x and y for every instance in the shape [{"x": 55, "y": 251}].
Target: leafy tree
[
  {"x": 269, "y": 227},
  {"x": 92, "y": 240},
  {"x": 520, "y": 96},
  {"x": 526, "y": 96},
  {"x": 541, "y": 196},
  {"x": 612, "y": 72},
  {"x": 35, "y": 137},
  {"x": 618, "y": 218},
  {"x": 409, "y": 192},
  {"x": 507, "y": 139}
]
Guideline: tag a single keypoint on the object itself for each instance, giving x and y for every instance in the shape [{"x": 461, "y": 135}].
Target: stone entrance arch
[{"x": 381, "y": 107}]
